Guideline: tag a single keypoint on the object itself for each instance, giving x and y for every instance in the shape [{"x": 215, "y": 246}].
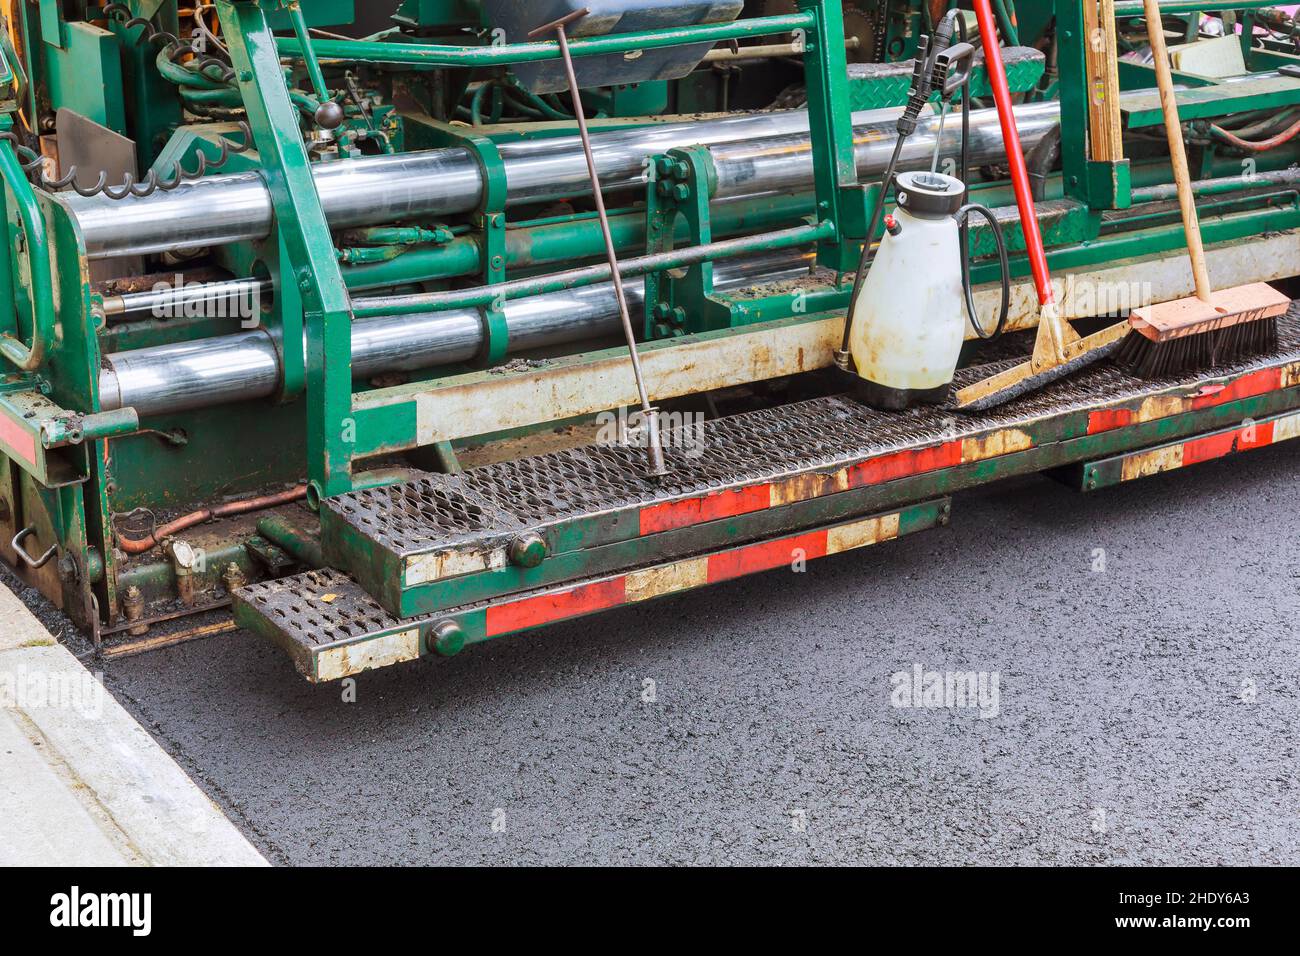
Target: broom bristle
[{"x": 1142, "y": 357}]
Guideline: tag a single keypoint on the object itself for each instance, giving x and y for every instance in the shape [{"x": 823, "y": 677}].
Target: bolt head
[
  {"x": 528, "y": 550},
  {"x": 447, "y": 639}
]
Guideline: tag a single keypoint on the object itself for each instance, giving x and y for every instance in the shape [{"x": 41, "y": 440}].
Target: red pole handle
[{"x": 1015, "y": 155}]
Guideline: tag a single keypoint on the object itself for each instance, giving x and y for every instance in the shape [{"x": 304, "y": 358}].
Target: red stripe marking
[
  {"x": 546, "y": 608},
  {"x": 1256, "y": 383},
  {"x": 721, "y": 504},
  {"x": 1219, "y": 446},
  {"x": 765, "y": 556},
  {"x": 1108, "y": 418},
  {"x": 19, "y": 439},
  {"x": 901, "y": 464}
]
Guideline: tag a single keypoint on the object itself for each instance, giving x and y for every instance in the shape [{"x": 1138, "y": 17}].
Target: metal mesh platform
[{"x": 443, "y": 511}]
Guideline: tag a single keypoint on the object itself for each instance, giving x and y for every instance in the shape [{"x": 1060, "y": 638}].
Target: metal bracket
[{"x": 27, "y": 559}]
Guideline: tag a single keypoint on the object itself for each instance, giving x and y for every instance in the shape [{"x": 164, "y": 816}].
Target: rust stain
[
  {"x": 654, "y": 582},
  {"x": 804, "y": 487},
  {"x": 999, "y": 443},
  {"x": 1160, "y": 406},
  {"x": 860, "y": 534},
  {"x": 1290, "y": 375},
  {"x": 1152, "y": 462}
]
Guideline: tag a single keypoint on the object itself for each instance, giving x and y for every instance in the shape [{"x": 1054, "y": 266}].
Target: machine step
[
  {"x": 331, "y": 628},
  {"x": 1247, "y": 436},
  {"x": 443, "y": 541}
]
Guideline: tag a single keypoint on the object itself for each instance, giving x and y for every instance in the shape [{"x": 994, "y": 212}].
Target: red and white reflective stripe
[
  {"x": 731, "y": 502},
  {"x": 1162, "y": 406},
  {"x": 1248, "y": 437},
  {"x": 686, "y": 574}
]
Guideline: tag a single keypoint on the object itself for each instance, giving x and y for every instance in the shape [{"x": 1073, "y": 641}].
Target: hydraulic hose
[
  {"x": 141, "y": 545},
  {"x": 1256, "y": 145}
]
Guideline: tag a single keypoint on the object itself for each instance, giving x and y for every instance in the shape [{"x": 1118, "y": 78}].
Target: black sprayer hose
[
  {"x": 962, "y": 215},
  {"x": 963, "y": 222}
]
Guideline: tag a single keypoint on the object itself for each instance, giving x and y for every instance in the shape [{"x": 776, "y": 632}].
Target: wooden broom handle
[{"x": 1177, "y": 151}]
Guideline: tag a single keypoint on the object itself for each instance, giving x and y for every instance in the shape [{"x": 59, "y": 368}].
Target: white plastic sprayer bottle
[{"x": 909, "y": 317}]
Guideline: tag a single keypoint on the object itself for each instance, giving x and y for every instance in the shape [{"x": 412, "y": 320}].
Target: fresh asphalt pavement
[{"x": 1143, "y": 641}]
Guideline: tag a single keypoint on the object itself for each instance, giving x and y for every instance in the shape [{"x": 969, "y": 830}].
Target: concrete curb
[{"x": 81, "y": 782}]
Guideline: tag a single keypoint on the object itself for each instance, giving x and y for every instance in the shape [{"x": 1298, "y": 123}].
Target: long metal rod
[
  {"x": 649, "y": 415},
  {"x": 171, "y": 301},
  {"x": 767, "y": 51},
  {"x": 754, "y": 154}
]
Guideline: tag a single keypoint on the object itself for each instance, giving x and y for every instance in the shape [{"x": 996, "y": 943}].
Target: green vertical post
[
  {"x": 830, "y": 121},
  {"x": 1100, "y": 184},
  {"x": 1073, "y": 86},
  {"x": 305, "y": 233}
]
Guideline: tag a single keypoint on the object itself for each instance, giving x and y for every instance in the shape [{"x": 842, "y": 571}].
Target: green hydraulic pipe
[
  {"x": 308, "y": 54},
  {"x": 435, "y": 55},
  {"x": 567, "y": 240},
  {"x": 301, "y": 546},
  {"x": 28, "y": 358},
  {"x": 1219, "y": 186},
  {"x": 75, "y": 430},
  {"x": 1006, "y": 15},
  {"x": 590, "y": 275}
]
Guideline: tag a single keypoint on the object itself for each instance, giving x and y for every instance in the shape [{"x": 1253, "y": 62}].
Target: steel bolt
[
  {"x": 233, "y": 577},
  {"x": 528, "y": 550},
  {"x": 67, "y": 569},
  {"x": 447, "y": 638},
  {"x": 133, "y": 608}
]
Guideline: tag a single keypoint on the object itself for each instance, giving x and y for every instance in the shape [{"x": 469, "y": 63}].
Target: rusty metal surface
[{"x": 485, "y": 503}]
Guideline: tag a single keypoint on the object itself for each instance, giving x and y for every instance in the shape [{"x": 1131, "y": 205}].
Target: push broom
[
  {"x": 1058, "y": 349},
  {"x": 1210, "y": 328}
]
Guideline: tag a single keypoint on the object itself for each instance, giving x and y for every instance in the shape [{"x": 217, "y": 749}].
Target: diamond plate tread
[{"x": 440, "y": 512}]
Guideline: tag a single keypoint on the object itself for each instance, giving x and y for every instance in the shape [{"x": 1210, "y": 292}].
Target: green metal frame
[{"x": 306, "y": 234}]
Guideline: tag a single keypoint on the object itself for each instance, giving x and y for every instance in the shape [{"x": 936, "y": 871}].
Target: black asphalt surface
[{"x": 1147, "y": 712}]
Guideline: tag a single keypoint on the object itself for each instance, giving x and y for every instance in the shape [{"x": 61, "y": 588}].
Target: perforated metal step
[{"x": 331, "y": 628}]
